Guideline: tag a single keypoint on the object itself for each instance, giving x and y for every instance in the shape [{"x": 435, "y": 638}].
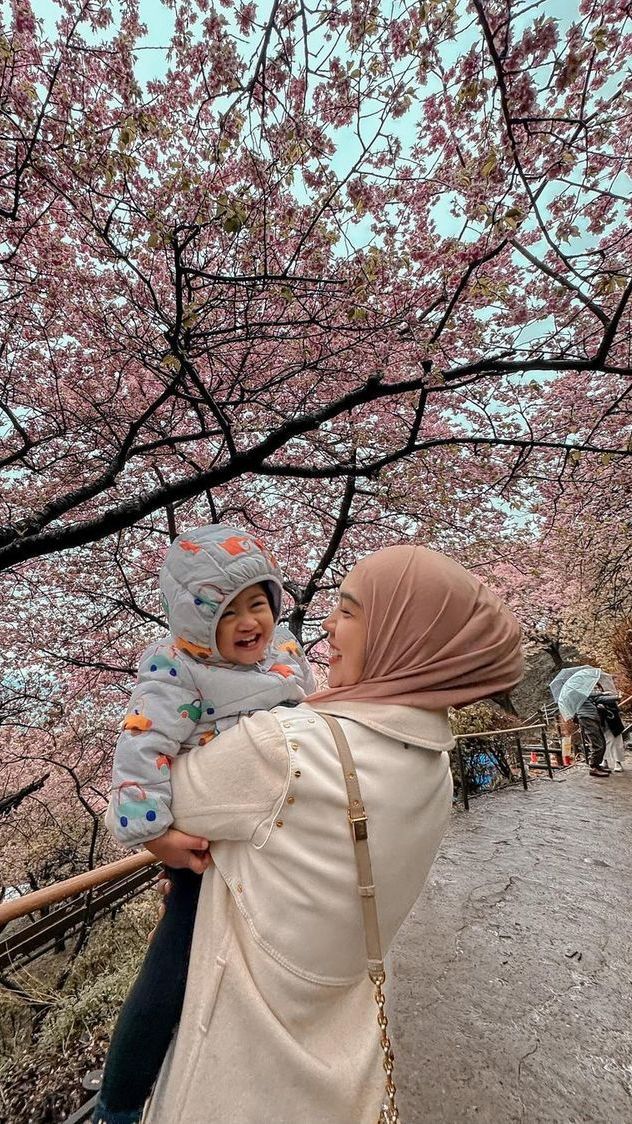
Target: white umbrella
[
  {"x": 555, "y": 686},
  {"x": 579, "y": 686}
]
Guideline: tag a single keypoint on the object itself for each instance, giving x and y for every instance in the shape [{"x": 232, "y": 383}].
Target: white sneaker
[{"x": 618, "y": 767}]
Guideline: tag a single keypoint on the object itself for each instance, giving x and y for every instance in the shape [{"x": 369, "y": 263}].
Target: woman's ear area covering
[{"x": 435, "y": 636}]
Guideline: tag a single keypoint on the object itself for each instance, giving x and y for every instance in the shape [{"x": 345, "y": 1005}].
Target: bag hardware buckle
[{"x": 358, "y": 824}]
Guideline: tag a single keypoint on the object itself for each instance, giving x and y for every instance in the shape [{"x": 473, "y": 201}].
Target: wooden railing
[
  {"x": 494, "y": 733},
  {"x": 70, "y": 887},
  {"x": 90, "y": 895},
  {"x": 514, "y": 732},
  {"x": 48, "y": 933},
  {"x": 622, "y": 706}
]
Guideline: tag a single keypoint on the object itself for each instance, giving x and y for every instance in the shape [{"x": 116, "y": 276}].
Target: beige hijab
[{"x": 436, "y": 637}]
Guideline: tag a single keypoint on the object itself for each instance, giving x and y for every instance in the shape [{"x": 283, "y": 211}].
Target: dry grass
[{"x": 50, "y": 1037}]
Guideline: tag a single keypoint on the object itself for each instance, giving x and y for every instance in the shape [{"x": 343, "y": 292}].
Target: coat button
[
  {"x": 294, "y": 746},
  {"x": 297, "y": 772},
  {"x": 291, "y": 799},
  {"x": 240, "y": 888},
  {"x": 279, "y": 823}
]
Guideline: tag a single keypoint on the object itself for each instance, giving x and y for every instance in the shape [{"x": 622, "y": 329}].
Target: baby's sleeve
[
  {"x": 291, "y": 652},
  {"x": 163, "y": 712}
]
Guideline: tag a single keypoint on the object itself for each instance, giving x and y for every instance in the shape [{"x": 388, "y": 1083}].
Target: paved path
[{"x": 514, "y": 972}]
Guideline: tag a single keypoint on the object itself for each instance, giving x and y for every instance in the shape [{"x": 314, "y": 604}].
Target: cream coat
[{"x": 279, "y": 1019}]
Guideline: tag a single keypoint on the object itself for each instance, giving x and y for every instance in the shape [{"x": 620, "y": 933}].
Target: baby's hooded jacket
[{"x": 185, "y": 692}]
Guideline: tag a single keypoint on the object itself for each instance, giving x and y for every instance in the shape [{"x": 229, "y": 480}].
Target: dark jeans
[
  {"x": 152, "y": 1009},
  {"x": 594, "y": 735}
]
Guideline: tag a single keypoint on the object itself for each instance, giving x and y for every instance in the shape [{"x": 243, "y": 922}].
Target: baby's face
[{"x": 246, "y": 626}]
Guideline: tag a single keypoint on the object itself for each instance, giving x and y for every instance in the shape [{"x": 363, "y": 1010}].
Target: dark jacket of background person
[{"x": 608, "y": 708}]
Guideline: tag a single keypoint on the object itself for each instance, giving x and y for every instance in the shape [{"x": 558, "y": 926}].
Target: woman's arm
[{"x": 230, "y": 787}]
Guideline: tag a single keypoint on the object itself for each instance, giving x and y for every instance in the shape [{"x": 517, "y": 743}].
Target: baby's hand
[{"x": 177, "y": 849}]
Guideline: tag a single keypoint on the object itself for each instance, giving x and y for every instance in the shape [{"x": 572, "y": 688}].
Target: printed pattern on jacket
[{"x": 185, "y": 693}]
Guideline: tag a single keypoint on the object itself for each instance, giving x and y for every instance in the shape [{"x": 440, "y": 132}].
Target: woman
[
  {"x": 279, "y": 1021},
  {"x": 612, "y": 725}
]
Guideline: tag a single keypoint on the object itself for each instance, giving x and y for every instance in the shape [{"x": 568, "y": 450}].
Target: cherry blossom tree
[
  {"x": 235, "y": 266},
  {"x": 622, "y": 645}
]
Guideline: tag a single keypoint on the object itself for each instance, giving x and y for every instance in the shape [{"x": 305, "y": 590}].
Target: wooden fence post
[
  {"x": 466, "y": 802},
  {"x": 523, "y": 771}
]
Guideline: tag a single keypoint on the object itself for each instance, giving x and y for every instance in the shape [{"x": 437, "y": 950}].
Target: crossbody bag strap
[
  {"x": 358, "y": 821},
  {"x": 360, "y": 835}
]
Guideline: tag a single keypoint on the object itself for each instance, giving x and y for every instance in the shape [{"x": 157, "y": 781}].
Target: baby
[{"x": 225, "y": 656}]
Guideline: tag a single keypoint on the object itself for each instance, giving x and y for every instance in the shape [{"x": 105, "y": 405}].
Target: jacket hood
[{"x": 202, "y": 571}]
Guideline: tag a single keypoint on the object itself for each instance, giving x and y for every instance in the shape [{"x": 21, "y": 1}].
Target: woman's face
[{"x": 346, "y": 629}]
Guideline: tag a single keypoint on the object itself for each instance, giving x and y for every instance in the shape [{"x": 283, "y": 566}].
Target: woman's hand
[{"x": 177, "y": 849}]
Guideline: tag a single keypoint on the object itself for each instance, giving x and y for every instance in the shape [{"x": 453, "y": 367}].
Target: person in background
[
  {"x": 608, "y": 707},
  {"x": 589, "y": 717}
]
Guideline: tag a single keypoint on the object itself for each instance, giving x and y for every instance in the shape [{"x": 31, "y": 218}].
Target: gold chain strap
[{"x": 390, "y": 1112}]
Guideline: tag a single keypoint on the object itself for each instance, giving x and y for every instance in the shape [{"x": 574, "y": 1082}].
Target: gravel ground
[{"x": 513, "y": 973}]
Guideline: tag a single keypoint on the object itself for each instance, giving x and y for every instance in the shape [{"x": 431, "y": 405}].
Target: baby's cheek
[{"x": 267, "y": 627}]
